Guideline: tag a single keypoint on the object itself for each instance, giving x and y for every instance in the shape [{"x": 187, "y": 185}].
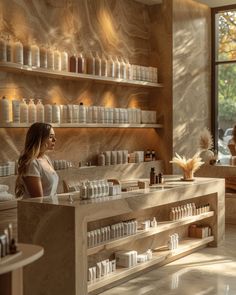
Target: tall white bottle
[
  {"x": 40, "y": 111},
  {"x": 35, "y": 56},
  {"x": 32, "y": 111},
  {"x": 4, "y": 110},
  {"x": 16, "y": 111},
  {"x": 57, "y": 60},
  {"x": 64, "y": 61},
  {"x": 18, "y": 53},
  {"x": 56, "y": 113},
  {"x": 24, "y": 111},
  {"x": 48, "y": 113},
  {"x": 50, "y": 59},
  {"x": 82, "y": 113}
]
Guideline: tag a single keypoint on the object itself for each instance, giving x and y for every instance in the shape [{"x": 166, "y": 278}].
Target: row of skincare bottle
[
  {"x": 94, "y": 189},
  {"x": 183, "y": 211},
  {"x": 173, "y": 242},
  {"x": 102, "y": 269}
]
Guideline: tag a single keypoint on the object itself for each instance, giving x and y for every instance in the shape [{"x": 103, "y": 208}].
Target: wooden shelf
[
  {"x": 83, "y": 125},
  {"x": 18, "y": 68},
  {"x": 161, "y": 227},
  {"x": 159, "y": 257}
]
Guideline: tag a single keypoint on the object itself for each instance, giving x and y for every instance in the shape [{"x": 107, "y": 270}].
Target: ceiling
[{"x": 211, "y": 3}]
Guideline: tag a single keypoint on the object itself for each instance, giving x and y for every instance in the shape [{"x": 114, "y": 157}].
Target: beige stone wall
[{"x": 191, "y": 74}]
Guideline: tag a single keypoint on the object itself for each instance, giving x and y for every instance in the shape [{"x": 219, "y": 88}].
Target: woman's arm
[{"x": 34, "y": 186}]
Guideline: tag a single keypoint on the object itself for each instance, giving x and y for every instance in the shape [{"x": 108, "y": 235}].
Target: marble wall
[
  {"x": 165, "y": 35},
  {"x": 117, "y": 27}
]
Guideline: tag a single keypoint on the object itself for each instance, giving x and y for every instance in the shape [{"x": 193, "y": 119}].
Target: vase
[
  {"x": 188, "y": 175},
  {"x": 207, "y": 156}
]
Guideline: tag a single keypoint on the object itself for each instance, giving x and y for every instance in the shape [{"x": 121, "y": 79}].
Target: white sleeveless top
[{"x": 43, "y": 168}]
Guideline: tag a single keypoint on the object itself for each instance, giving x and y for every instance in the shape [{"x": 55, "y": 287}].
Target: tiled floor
[{"x": 210, "y": 271}]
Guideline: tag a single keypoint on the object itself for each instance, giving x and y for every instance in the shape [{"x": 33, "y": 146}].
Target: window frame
[{"x": 214, "y": 64}]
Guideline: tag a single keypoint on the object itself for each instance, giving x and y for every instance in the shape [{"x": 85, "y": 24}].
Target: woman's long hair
[
  {"x": 234, "y": 133},
  {"x": 36, "y": 136}
]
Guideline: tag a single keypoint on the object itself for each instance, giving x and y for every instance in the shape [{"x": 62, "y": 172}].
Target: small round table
[{"x": 11, "y": 268}]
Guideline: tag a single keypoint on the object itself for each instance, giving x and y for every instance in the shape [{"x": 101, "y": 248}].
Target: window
[{"x": 224, "y": 72}]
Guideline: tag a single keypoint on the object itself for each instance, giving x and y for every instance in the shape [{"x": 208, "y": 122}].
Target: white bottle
[
  {"x": 56, "y": 114},
  {"x": 95, "y": 114},
  {"x": 39, "y": 111},
  {"x": 122, "y": 69},
  {"x": 110, "y": 67},
  {"x": 27, "y": 56},
  {"x": 24, "y": 113},
  {"x": 69, "y": 113},
  {"x": 83, "y": 191},
  {"x": 35, "y": 56},
  {"x": 98, "y": 65},
  {"x": 50, "y": 59},
  {"x": 90, "y": 190},
  {"x": 82, "y": 113},
  {"x": 104, "y": 66},
  {"x": 90, "y": 114},
  {"x": 64, "y": 61},
  {"x": 48, "y": 113},
  {"x": 99, "y": 189},
  {"x": 32, "y": 111},
  {"x": 117, "y": 67},
  {"x": 75, "y": 113},
  {"x": 57, "y": 60},
  {"x": 43, "y": 57},
  {"x": 3, "y": 49},
  {"x": 18, "y": 53},
  {"x": 106, "y": 187},
  {"x": 16, "y": 111},
  {"x": 4, "y": 110},
  {"x": 95, "y": 189}
]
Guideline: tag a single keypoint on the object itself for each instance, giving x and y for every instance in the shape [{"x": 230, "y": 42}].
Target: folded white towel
[
  {"x": 5, "y": 196},
  {"x": 4, "y": 187}
]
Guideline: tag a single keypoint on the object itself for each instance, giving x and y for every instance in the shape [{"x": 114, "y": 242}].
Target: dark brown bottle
[
  {"x": 73, "y": 64},
  {"x": 152, "y": 176}
]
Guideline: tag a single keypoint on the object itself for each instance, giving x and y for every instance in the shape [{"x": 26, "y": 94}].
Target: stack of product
[
  {"x": 7, "y": 168},
  {"x": 115, "y": 231},
  {"x": 102, "y": 269},
  {"x": 61, "y": 164},
  {"x": 7, "y": 242},
  {"x": 173, "y": 242},
  {"x": 199, "y": 231},
  {"x": 4, "y": 194}
]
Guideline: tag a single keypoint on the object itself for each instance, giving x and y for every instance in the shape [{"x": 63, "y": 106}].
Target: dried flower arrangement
[
  {"x": 205, "y": 140},
  {"x": 189, "y": 166},
  {"x": 205, "y": 145}
]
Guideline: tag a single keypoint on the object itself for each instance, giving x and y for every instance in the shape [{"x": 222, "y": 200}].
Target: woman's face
[{"x": 50, "y": 142}]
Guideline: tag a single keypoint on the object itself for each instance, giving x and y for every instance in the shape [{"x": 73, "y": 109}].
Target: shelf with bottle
[
  {"x": 160, "y": 256},
  {"x": 19, "y": 68},
  {"x": 161, "y": 227},
  {"x": 84, "y": 125}
]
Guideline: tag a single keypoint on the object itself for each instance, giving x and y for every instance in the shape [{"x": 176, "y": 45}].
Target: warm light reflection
[
  {"x": 107, "y": 25},
  {"x": 109, "y": 99}
]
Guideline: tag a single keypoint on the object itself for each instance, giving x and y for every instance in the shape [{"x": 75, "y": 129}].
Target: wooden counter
[{"x": 61, "y": 226}]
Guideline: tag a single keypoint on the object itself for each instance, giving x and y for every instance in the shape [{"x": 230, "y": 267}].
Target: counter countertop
[{"x": 172, "y": 183}]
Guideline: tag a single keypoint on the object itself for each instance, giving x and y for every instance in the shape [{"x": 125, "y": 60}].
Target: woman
[
  {"x": 232, "y": 146},
  {"x": 36, "y": 175}
]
